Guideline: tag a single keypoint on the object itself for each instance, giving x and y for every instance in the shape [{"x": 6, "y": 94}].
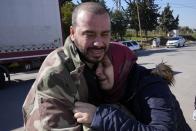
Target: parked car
[
  {"x": 175, "y": 42},
  {"x": 133, "y": 45}
]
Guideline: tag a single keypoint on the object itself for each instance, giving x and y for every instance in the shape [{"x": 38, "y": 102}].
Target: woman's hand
[{"x": 84, "y": 112}]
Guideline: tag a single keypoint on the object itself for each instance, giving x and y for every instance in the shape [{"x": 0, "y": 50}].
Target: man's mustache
[{"x": 97, "y": 48}]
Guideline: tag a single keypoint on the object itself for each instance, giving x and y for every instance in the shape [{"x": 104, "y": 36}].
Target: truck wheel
[{"x": 2, "y": 80}]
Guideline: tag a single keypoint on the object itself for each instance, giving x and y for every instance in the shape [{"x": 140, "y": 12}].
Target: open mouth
[
  {"x": 101, "y": 79},
  {"x": 97, "y": 52}
]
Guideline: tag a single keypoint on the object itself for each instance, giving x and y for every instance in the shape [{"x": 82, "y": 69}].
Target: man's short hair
[{"x": 92, "y": 7}]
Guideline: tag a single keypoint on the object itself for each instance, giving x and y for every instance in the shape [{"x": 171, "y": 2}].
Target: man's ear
[{"x": 72, "y": 31}]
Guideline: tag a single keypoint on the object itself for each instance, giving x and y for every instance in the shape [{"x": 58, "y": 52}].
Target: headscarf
[{"x": 122, "y": 59}]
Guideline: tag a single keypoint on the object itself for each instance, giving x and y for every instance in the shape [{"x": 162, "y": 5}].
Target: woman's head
[{"x": 113, "y": 71}]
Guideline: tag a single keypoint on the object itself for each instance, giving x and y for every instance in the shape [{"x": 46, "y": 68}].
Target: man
[
  {"x": 146, "y": 96},
  {"x": 60, "y": 81}
]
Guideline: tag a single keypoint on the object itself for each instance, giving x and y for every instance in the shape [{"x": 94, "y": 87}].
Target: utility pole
[
  {"x": 138, "y": 16},
  {"x": 118, "y": 4}
]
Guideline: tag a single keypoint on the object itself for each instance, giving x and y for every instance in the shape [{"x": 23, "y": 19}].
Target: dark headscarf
[{"x": 122, "y": 59}]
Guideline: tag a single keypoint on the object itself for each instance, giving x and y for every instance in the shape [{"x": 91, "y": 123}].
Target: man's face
[{"x": 91, "y": 35}]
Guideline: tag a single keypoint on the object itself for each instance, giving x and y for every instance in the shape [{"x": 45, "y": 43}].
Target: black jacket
[{"x": 150, "y": 100}]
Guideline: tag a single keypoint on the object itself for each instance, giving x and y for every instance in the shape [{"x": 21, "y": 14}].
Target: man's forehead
[
  {"x": 85, "y": 17},
  {"x": 94, "y": 30},
  {"x": 86, "y": 28}
]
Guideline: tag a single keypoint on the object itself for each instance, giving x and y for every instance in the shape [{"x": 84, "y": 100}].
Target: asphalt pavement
[{"x": 11, "y": 100}]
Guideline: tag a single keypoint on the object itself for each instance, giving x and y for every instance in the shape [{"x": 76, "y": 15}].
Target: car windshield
[
  {"x": 129, "y": 44},
  {"x": 124, "y": 43},
  {"x": 135, "y": 43},
  {"x": 174, "y": 38}
]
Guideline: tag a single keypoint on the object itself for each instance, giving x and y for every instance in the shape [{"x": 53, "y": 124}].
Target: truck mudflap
[{"x": 3, "y": 74}]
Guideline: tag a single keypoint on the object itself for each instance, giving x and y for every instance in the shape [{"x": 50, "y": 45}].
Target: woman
[{"x": 141, "y": 91}]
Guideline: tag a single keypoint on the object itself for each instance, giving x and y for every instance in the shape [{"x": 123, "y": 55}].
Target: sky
[{"x": 186, "y": 10}]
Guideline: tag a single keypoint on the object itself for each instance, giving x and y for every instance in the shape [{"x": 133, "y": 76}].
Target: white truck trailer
[{"x": 29, "y": 30}]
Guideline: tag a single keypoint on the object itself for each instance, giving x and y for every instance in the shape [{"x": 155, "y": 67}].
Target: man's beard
[{"x": 86, "y": 59}]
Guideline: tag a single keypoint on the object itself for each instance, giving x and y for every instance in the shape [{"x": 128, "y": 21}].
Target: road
[
  {"x": 182, "y": 61},
  {"x": 11, "y": 100}
]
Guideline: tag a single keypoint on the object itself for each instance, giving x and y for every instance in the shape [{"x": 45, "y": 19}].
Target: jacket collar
[{"x": 71, "y": 51}]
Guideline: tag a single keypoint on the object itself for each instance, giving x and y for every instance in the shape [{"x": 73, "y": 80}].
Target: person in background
[{"x": 194, "y": 111}]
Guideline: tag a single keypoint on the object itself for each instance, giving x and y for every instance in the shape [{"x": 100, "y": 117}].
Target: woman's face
[{"x": 105, "y": 74}]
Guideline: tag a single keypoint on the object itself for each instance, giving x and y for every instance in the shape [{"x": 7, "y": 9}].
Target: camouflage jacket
[{"x": 60, "y": 81}]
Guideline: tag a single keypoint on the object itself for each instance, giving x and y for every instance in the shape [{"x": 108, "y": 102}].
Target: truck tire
[{"x": 2, "y": 80}]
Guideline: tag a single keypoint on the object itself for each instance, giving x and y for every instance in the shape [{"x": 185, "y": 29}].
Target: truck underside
[{"x": 29, "y": 31}]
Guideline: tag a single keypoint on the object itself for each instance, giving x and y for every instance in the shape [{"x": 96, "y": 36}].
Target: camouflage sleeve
[{"x": 53, "y": 104}]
